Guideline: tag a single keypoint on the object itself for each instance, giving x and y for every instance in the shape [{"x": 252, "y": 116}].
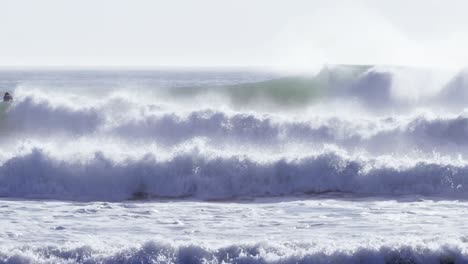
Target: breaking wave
[
  {"x": 153, "y": 252},
  {"x": 32, "y": 118},
  {"x": 37, "y": 175},
  {"x": 263, "y": 137}
]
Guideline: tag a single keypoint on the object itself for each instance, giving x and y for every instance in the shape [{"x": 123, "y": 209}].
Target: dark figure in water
[{"x": 7, "y": 97}]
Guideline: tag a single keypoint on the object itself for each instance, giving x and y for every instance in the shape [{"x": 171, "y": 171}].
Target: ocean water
[{"x": 352, "y": 164}]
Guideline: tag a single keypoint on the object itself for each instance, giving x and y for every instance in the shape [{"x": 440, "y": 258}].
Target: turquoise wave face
[
  {"x": 390, "y": 89},
  {"x": 290, "y": 91}
]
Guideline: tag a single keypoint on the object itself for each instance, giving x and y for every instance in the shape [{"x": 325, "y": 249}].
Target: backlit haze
[{"x": 247, "y": 33}]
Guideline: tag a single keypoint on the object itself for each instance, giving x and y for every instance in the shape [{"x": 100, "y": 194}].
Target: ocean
[{"x": 351, "y": 164}]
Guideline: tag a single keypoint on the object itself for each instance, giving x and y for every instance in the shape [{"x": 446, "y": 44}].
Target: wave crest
[
  {"x": 42, "y": 117},
  {"x": 153, "y": 252}
]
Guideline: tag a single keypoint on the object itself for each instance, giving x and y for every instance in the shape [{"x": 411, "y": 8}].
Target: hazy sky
[{"x": 274, "y": 33}]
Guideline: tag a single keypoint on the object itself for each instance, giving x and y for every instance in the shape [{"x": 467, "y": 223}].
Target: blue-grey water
[{"x": 353, "y": 164}]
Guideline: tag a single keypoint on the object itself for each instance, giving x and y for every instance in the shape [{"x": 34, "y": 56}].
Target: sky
[{"x": 293, "y": 34}]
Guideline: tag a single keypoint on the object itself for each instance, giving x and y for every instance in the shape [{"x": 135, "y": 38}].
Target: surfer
[{"x": 7, "y": 97}]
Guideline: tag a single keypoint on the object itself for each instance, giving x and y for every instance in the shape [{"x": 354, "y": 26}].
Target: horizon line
[{"x": 263, "y": 68}]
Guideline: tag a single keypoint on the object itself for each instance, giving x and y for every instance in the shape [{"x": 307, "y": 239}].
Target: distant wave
[
  {"x": 152, "y": 252},
  {"x": 376, "y": 88},
  {"x": 37, "y": 175}
]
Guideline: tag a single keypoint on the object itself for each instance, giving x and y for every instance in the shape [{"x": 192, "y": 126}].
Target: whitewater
[{"x": 351, "y": 164}]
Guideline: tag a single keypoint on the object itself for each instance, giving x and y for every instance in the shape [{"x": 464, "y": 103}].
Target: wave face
[
  {"x": 36, "y": 175},
  {"x": 121, "y": 135}
]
